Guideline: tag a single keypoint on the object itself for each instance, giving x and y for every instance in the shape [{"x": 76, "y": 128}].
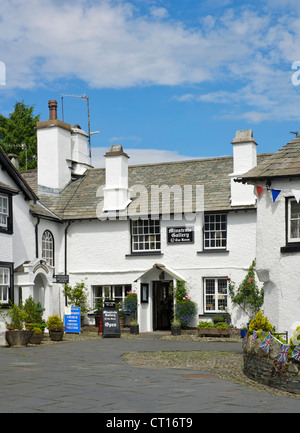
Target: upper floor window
[
  {"x": 48, "y": 247},
  {"x": 145, "y": 235},
  {"x": 5, "y": 213},
  {"x": 215, "y": 231},
  {"x": 293, "y": 221}
]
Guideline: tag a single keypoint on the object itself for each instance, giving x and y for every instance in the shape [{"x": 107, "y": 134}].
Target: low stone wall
[{"x": 264, "y": 367}]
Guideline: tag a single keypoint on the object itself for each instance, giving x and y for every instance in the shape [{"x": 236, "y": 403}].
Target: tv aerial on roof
[
  {"x": 84, "y": 96},
  {"x": 295, "y": 132}
]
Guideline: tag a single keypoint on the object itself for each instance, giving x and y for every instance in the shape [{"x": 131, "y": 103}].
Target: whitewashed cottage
[
  {"x": 277, "y": 186},
  {"x": 126, "y": 227}
]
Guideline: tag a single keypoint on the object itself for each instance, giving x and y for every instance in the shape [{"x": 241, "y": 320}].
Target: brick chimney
[{"x": 52, "y": 104}]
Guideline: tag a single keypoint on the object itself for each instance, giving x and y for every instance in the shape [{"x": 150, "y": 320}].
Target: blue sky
[{"x": 167, "y": 79}]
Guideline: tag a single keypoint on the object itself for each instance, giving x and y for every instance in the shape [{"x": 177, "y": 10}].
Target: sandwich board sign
[
  {"x": 110, "y": 322},
  {"x": 72, "y": 320}
]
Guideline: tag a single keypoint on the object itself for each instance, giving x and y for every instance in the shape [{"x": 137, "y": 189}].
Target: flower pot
[
  {"x": 134, "y": 329},
  {"x": 176, "y": 330},
  {"x": 36, "y": 338},
  {"x": 122, "y": 322},
  {"x": 18, "y": 338},
  {"x": 243, "y": 333},
  {"x": 213, "y": 332},
  {"x": 56, "y": 335}
]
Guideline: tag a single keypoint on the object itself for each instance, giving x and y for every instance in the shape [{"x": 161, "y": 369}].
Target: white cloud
[
  {"x": 109, "y": 43},
  {"x": 139, "y": 156}
]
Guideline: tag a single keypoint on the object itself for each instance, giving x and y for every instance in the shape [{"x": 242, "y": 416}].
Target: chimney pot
[{"x": 52, "y": 109}]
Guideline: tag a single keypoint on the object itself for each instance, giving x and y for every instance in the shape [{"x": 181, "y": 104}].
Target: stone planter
[
  {"x": 56, "y": 335},
  {"x": 213, "y": 332},
  {"x": 176, "y": 330},
  {"x": 134, "y": 329},
  {"x": 36, "y": 338},
  {"x": 18, "y": 338}
]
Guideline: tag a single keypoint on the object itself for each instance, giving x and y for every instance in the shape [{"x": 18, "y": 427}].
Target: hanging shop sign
[{"x": 180, "y": 235}]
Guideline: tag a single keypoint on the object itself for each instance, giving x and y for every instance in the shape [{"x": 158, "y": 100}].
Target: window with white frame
[
  {"x": 145, "y": 235},
  {"x": 4, "y": 285},
  {"x": 215, "y": 294},
  {"x": 215, "y": 231},
  {"x": 293, "y": 221},
  {"x": 48, "y": 247},
  {"x": 4, "y": 211},
  {"x": 117, "y": 292}
]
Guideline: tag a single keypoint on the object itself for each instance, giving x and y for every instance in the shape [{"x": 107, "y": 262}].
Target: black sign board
[
  {"x": 61, "y": 279},
  {"x": 110, "y": 322},
  {"x": 182, "y": 235}
]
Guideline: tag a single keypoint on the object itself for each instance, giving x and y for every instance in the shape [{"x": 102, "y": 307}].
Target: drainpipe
[
  {"x": 36, "y": 238},
  {"x": 66, "y": 254},
  {"x": 66, "y": 245}
]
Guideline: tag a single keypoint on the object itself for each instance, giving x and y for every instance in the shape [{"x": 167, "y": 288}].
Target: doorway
[{"x": 162, "y": 305}]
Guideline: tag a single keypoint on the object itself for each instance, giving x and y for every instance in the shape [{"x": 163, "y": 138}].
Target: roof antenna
[{"x": 294, "y": 132}]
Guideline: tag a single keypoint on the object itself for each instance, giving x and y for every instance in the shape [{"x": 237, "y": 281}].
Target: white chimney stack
[
  {"x": 116, "y": 191},
  {"x": 244, "y": 158}
]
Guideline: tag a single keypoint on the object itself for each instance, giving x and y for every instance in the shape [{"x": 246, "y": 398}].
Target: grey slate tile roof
[
  {"x": 283, "y": 163},
  {"x": 79, "y": 199}
]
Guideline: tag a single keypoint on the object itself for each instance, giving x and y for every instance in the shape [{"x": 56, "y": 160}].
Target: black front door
[{"x": 162, "y": 305}]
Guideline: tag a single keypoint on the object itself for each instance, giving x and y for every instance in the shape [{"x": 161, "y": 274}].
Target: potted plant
[
  {"x": 208, "y": 329},
  {"x": 55, "y": 326},
  {"x": 16, "y": 335},
  {"x": 244, "y": 331},
  {"x": 38, "y": 333},
  {"x": 219, "y": 318},
  {"x": 134, "y": 327},
  {"x": 176, "y": 326}
]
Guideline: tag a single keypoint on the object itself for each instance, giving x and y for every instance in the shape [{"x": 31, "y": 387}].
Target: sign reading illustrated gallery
[{"x": 180, "y": 235}]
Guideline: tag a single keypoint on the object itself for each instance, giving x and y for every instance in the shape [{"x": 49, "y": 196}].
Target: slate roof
[
  {"x": 283, "y": 163},
  {"x": 79, "y": 199}
]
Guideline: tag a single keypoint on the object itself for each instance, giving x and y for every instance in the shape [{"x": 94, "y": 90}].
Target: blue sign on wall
[{"x": 72, "y": 321}]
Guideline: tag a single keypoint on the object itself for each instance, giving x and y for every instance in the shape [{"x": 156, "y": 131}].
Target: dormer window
[{"x": 48, "y": 247}]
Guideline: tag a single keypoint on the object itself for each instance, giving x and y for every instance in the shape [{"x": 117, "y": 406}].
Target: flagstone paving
[{"x": 142, "y": 374}]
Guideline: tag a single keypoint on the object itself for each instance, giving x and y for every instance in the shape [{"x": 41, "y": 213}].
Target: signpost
[
  {"x": 110, "y": 322},
  {"x": 180, "y": 235},
  {"x": 72, "y": 320},
  {"x": 61, "y": 279}
]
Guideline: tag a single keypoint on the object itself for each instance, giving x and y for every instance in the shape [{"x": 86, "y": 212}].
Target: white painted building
[
  {"x": 277, "y": 186},
  {"x": 115, "y": 227}
]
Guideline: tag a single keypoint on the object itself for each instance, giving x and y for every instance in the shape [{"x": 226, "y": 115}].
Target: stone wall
[{"x": 265, "y": 368}]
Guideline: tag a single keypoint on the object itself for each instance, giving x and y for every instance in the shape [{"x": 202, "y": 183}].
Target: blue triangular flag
[{"x": 275, "y": 193}]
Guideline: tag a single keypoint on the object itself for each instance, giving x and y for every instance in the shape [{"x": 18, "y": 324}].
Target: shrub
[
  {"x": 130, "y": 303},
  {"x": 260, "y": 323},
  {"x": 77, "y": 296},
  {"x": 55, "y": 323},
  {"x": 185, "y": 311},
  {"x": 248, "y": 295}
]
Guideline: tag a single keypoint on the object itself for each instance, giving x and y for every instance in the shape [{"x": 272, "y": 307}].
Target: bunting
[
  {"x": 283, "y": 353},
  {"x": 296, "y": 353},
  {"x": 265, "y": 345},
  {"x": 275, "y": 192},
  {"x": 254, "y": 337}
]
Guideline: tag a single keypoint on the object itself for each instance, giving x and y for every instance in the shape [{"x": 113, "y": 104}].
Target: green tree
[{"x": 18, "y": 134}]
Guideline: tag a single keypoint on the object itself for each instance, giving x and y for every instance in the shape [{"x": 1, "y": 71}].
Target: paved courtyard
[{"x": 91, "y": 376}]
